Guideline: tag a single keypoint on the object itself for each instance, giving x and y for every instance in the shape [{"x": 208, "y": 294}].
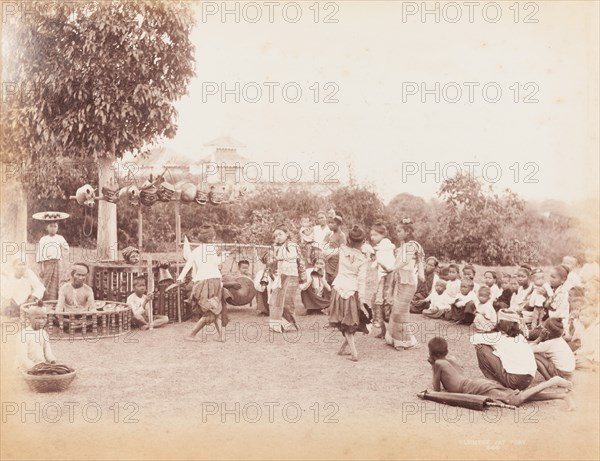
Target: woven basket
[{"x": 49, "y": 383}]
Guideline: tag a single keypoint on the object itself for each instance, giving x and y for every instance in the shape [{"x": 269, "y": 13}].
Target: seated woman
[
  {"x": 504, "y": 355},
  {"x": 420, "y": 300},
  {"x": 316, "y": 292}
]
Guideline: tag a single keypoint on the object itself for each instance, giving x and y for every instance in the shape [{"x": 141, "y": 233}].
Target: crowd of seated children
[{"x": 559, "y": 312}]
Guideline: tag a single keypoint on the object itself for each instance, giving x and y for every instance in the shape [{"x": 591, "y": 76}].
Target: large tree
[
  {"x": 473, "y": 218},
  {"x": 86, "y": 83}
]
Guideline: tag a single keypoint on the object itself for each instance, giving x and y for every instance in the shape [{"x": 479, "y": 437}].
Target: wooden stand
[{"x": 113, "y": 281}]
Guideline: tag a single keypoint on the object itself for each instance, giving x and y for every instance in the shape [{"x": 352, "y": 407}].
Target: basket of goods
[{"x": 49, "y": 377}]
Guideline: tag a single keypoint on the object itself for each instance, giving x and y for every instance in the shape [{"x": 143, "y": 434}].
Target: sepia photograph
[{"x": 299, "y": 230}]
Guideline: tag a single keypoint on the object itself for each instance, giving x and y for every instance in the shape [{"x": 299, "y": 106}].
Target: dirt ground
[{"x": 152, "y": 395}]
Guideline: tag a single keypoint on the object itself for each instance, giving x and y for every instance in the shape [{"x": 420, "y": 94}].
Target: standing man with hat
[{"x": 50, "y": 251}]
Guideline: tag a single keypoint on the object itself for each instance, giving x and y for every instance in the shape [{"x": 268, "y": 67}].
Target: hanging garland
[{"x": 152, "y": 191}]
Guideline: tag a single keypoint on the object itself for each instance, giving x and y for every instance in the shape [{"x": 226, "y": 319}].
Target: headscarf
[
  {"x": 128, "y": 252},
  {"x": 356, "y": 234}
]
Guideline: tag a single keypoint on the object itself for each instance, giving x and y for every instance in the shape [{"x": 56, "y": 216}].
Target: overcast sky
[{"x": 372, "y": 56}]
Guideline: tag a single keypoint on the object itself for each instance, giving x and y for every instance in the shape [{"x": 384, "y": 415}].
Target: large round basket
[
  {"x": 49, "y": 383},
  {"x": 111, "y": 320}
]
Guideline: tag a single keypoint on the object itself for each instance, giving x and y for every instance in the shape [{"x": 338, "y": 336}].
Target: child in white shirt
[
  {"x": 307, "y": 238},
  {"x": 34, "y": 345},
  {"x": 485, "y": 315},
  {"x": 453, "y": 282},
  {"x": 50, "y": 251},
  {"x": 491, "y": 281},
  {"x": 587, "y": 330},
  {"x": 462, "y": 310},
  {"x": 137, "y": 301},
  {"x": 469, "y": 273},
  {"x": 439, "y": 301},
  {"x": 573, "y": 278},
  {"x": 539, "y": 297},
  {"x": 384, "y": 261},
  {"x": 553, "y": 355}
]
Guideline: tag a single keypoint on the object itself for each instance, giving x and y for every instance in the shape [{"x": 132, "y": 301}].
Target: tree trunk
[
  {"x": 107, "y": 215},
  {"x": 13, "y": 218}
]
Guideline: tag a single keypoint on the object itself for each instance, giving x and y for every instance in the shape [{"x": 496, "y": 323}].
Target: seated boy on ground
[
  {"x": 138, "y": 301},
  {"x": 448, "y": 373},
  {"x": 34, "y": 345}
]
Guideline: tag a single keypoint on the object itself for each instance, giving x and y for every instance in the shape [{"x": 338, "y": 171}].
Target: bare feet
[
  {"x": 353, "y": 358},
  {"x": 570, "y": 402},
  {"x": 341, "y": 352},
  {"x": 560, "y": 382},
  {"x": 192, "y": 338}
]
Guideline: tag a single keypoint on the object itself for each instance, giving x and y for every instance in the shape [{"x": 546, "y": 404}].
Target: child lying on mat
[
  {"x": 447, "y": 373},
  {"x": 33, "y": 346}
]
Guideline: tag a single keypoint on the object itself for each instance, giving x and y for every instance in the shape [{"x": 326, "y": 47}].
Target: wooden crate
[{"x": 114, "y": 282}]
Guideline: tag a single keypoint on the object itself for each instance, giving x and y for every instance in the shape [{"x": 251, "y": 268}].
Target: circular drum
[
  {"x": 242, "y": 295},
  {"x": 110, "y": 319}
]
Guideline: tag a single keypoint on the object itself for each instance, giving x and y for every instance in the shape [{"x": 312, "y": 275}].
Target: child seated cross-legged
[
  {"x": 491, "y": 280},
  {"x": 587, "y": 331},
  {"x": 34, "y": 345},
  {"x": 553, "y": 355},
  {"x": 439, "y": 301},
  {"x": 449, "y": 374},
  {"x": 485, "y": 315},
  {"x": 453, "y": 279},
  {"x": 469, "y": 273},
  {"x": 503, "y": 301},
  {"x": 138, "y": 301},
  {"x": 462, "y": 310}
]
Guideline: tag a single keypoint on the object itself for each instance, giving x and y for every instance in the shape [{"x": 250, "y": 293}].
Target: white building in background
[
  {"x": 223, "y": 165},
  {"x": 219, "y": 163}
]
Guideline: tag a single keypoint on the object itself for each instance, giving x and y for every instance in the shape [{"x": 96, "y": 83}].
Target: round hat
[{"x": 50, "y": 216}]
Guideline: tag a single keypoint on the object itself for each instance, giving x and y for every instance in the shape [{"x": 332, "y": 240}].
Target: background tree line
[{"x": 467, "y": 221}]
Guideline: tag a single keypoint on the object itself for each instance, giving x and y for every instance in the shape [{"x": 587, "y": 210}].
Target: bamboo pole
[
  {"x": 140, "y": 227},
  {"x": 177, "y": 224},
  {"x": 177, "y": 240},
  {"x": 150, "y": 306}
]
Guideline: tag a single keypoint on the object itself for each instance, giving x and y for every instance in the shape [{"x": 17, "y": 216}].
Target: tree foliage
[{"x": 89, "y": 81}]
